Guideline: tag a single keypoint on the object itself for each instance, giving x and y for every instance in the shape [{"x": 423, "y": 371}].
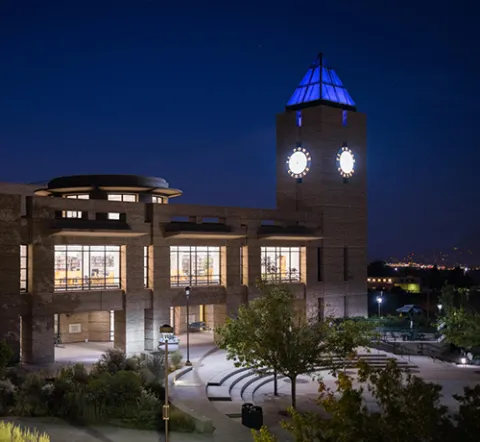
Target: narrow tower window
[
  {"x": 344, "y": 117},
  {"x": 299, "y": 118},
  {"x": 345, "y": 264}
]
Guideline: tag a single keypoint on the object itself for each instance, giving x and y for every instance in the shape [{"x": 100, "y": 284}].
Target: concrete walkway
[
  {"x": 60, "y": 431},
  {"x": 190, "y": 390}
]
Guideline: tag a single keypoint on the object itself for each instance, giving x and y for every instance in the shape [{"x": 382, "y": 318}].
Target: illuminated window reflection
[
  {"x": 280, "y": 264},
  {"x": 23, "y": 268},
  {"x": 191, "y": 265},
  {"x": 125, "y": 197},
  {"x": 87, "y": 267},
  {"x": 145, "y": 266},
  {"x": 75, "y": 213}
]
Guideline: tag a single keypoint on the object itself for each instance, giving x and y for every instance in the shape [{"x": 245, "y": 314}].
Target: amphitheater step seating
[{"x": 233, "y": 387}]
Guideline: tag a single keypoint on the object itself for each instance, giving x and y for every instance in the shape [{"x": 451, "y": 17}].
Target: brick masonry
[{"x": 323, "y": 203}]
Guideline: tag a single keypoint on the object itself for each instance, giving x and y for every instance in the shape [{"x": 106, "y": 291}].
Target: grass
[{"x": 12, "y": 433}]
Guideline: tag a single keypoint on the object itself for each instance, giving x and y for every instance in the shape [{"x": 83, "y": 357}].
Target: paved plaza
[{"x": 216, "y": 389}]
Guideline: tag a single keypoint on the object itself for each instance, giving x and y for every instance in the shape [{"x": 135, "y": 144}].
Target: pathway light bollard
[
  {"x": 166, "y": 407},
  {"x": 187, "y": 296}
]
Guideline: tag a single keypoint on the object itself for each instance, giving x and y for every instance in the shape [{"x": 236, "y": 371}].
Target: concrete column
[
  {"x": 159, "y": 279},
  {"x": 11, "y": 301},
  {"x": 37, "y": 340},
  {"x": 254, "y": 268},
  {"x": 41, "y": 268},
  {"x": 130, "y": 323}
]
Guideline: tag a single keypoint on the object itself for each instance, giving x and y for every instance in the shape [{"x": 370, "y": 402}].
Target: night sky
[{"x": 189, "y": 92}]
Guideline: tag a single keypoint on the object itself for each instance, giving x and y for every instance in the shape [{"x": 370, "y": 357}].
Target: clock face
[
  {"x": 299, "y": 162},
  {"x": 346, "y": 162}
]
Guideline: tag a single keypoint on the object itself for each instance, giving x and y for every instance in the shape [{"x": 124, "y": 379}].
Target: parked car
[{"x": 197, "y": 326}]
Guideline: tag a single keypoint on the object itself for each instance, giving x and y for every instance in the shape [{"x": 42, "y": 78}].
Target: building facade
[{"x": 106, "y": 257}]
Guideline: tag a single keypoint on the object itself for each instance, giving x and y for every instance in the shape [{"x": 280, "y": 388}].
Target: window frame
[
  {"x": 122, "y": 197},
  {"x": 86, "y": 253},
  {"x": 146, "y": 266},
  {"x": 24, "y": 254},
  {"x": 292, "y": 276},
  {"x": 75, "y": 213},
  {"x": 193, "y": 278}
]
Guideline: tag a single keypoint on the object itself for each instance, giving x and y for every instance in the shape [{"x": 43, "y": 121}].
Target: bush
[
  {"x": 31, "y": 398},
  {"x": 7, "y": 397},
  {"x": 176, "y": 360},
  {"x": 12, "y": 433},
  {"x": 112, "y": 361},
  {"x": 6, "y": 355}
]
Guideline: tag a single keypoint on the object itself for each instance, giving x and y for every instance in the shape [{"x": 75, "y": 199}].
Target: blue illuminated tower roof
[{"x": 320, "y": 85}]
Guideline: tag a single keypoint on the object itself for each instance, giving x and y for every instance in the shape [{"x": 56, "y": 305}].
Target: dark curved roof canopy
[{"x": 108, "y": 183}]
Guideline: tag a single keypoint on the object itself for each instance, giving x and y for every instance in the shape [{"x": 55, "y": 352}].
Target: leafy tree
[
  {"x": 408, "y": 410},
  {"x": 271, "y": 333},
  {"x": 461, "y": 320}
]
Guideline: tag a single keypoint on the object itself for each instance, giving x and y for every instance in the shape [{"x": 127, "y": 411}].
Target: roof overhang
[
  {"x": 289, "y": 237},
  {"x": 99, "y": 232},
  {"x": 203, "y": 235}
]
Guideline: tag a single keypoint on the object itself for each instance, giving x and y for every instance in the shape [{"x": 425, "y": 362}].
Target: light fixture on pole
[
  {"x": 166, "y": 330},
  {"x": 439, "y": 306},
  {"x": 187, "y": 296},
  {"x": 379, "y": 302}
]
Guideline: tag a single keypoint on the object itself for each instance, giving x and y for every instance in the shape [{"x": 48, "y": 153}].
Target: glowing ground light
[
  {"x": 345, "y": 162},
  {"x": 299, "y": 162}
]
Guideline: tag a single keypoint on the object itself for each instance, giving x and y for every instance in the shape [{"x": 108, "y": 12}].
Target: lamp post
[
  {"x": 166, "y": 407},
  {"x": 379, "y": 302},
  {"x": 187, "y": 296},
  {"x": 439, "y": 306}
]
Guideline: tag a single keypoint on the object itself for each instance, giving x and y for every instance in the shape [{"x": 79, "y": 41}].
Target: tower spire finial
[{"x": 321, "y": 85}]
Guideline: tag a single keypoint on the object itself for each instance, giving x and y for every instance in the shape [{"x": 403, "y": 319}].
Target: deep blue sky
[{"x": 188, "y": 91}]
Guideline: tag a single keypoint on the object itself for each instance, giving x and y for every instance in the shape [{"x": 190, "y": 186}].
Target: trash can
[
  {"x": 247, "y": 414},
  {"x": 256, "y": 417}
]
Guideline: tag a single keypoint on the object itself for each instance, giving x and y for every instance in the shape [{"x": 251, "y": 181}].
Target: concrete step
[
  {"x": 217, "y": 380},
  {"x": 240, "y": 385},
  {"x": 218, "y": 393}
]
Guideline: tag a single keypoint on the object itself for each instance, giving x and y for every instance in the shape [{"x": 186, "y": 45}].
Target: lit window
[
  {"x": 145, "y": 266},
  {"x": 75, "y": 213},
  {"x": 280, "y": 264},
  {"x": 23, "y": 268},
  {"x": 389, "y": 280},
  {"x": 113, "y": 215},
  {"x": 87, "y": 267},
  {"x": 241, "y": 265},
  {"x": 125, "y": 197},
  {"x": 190, "y": 265},
  {"x": 157, "y": 199},
  {"x": 344, "y": 117},
  {"x": 112, "y": 325},
  {"x": 299, "y": 118}
]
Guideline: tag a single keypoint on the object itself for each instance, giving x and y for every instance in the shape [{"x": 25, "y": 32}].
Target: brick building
[{"x": 106, "y": 257}]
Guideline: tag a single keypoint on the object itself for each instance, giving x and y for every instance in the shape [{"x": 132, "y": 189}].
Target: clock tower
[{"x": 321, "y": 168}]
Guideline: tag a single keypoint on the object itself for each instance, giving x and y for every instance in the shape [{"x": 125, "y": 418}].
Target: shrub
[
  {"x": 176, "y": 360},
  {"x": 7, "y": 396},
  {"x": 112, "y": 361},
  {"x": 31, "y": 399},
  {"x": 6, "y": 355},
  {"x": 12, "y": 433},
  {"x": 181, "y": 422}
]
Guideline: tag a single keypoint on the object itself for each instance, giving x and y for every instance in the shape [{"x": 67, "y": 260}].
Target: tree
[
  {"x": 408, "y": 410},
  {"x": 461, "y": 321},
  {"x": 271, "y": 333}
]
